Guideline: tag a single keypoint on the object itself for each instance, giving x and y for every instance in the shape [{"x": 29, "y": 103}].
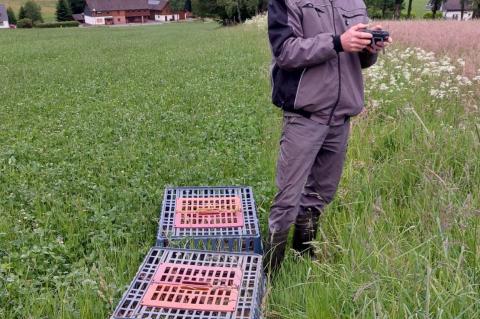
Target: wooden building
[{"x": 108, "y": 12}]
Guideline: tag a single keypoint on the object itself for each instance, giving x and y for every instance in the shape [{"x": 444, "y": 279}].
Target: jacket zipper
[
  {"x": 298, "y": 87},
  {"x": 338, "y": 67}
]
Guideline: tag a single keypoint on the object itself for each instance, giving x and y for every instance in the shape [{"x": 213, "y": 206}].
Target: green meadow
[{"x": 95, "y": 122}]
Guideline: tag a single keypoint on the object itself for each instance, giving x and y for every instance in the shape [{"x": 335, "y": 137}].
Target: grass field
[
  {"x": 95, "y": 122},
  {"x": 48, "y": 7}
]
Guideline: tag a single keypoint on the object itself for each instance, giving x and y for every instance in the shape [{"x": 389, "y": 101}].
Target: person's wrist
[{"x": 337, "y": 43}]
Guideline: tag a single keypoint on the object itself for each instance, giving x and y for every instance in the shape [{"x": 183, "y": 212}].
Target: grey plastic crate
[
  {"x": 233, "y": 239},
  {"x": 251, "y": 291}
]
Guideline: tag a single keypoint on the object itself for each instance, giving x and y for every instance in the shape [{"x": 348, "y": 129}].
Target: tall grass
[
  {"x": 94, "y": 123},
  {"x": 402, "y": 238},
  {"x": 459, "y": 39}
]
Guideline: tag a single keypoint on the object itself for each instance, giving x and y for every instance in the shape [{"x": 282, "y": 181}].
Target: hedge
[
  {"x": 63, "y": 24},
  {"x": 24, "y": 23}
]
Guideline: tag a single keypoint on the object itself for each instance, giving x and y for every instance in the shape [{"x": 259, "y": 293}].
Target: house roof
[
  {"x": 3, "y": 13},
  {"x": 157, "y": 4},
  {"x": 78, "y": 17},
  {"x": 111, "y": 5},
  {"x": 455, "y": 5}
]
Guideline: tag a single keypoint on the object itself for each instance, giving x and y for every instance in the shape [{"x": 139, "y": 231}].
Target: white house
[
  {"x": 3, "y": 17},
  {"x": 452, "y": 10}
]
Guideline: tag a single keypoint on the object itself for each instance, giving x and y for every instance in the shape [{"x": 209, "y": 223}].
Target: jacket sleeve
[
  {"x": 290, "y": 49},
  {"x": 367, "y": 59}
]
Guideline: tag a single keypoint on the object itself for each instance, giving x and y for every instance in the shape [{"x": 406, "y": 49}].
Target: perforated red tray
[
  {"x": 208, "y": 212},
  {"x": 194, "y": 288}
]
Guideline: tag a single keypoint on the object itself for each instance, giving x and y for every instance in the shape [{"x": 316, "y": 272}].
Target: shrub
[
  {"x": 404, "y": 16},
  {"x": 64, "y": 24},
  {"x": 25, "y": 23},
  {"x": 428, "y": 15}
]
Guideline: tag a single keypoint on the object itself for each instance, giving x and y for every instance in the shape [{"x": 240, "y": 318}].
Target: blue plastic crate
[
  {"x": 250, "y": 292},
  {"x": 232, "y": 239}
]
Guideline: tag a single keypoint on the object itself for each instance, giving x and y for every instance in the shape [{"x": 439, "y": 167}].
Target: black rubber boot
[
  {"x": 275, "y": 252},
  {"x": 306, "y": 227}
]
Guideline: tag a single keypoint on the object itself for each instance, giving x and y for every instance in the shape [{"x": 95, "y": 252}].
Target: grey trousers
[{"x": 309, "y": 167}]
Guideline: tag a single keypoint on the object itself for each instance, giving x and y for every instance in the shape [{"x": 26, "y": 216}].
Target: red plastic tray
[
  {"x": 208, "y": 212},
  {"x": 194, "y": 288}
]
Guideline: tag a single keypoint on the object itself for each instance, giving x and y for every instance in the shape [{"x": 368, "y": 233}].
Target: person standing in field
[{"x": 319, "y": 51}]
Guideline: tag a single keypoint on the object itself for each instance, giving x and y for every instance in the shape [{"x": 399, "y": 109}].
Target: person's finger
[
  {"x": 361, "y": 41},
  {"x": 363, "y": 35},
  {"x": 359, "y": 26},
  {"x": 390, "y": 40}
]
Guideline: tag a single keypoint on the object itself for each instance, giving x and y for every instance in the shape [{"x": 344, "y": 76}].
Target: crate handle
[
  {"x": 195, "y": 288},
  {"x": 195, "y": 285},
  {"x": 209, "y": 213}
]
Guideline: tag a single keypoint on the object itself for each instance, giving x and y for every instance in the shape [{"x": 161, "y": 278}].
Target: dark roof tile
[
  {"x": 455, "y": 5},
  {"x": 111, "y": 5}
]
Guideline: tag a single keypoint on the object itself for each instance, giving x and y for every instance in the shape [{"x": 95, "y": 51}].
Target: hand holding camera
[{"x": 359, "y": 38}]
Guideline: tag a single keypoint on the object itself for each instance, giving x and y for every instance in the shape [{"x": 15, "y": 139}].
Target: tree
[
  {"x": 476, "y": 9},
  {"x": 397, "y": 9},
  {"x": 238, "y": 9},
  {"x": 33, "y": 11},
  {"x": 204, "y": 8},
  {"x": 177, "y": 5},
  {"x": 11, "y": 16},
  {"x": 463, "y": 4},
  {"x": 227, "y": 11},
  {"x": 383, "y": 8},
  {"x": 435, "y": 6},
  {"x": 409, "y": 11},
  {"x": 188, "y": 5},
  {"x": 63, "y": 13},
  {"x": 21, "y": 13},
  {"x": 77, "y": 6}
]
